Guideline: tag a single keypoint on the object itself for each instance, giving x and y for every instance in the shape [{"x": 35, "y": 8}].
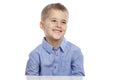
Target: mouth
[{"x": 57, "y": 30}]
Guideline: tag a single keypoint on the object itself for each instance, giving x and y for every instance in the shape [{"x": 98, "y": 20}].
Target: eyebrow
[{"x": 62, "y": 19}]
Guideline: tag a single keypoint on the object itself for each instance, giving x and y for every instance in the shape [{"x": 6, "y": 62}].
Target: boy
[{"x": 55, "y": 56}]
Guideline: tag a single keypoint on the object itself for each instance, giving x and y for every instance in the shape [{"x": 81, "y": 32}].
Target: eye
[
  {"x": 53, "y": 20},
  {"x": 64, "y": 22}
]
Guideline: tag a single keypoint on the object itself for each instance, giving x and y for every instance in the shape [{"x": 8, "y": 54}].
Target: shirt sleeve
[
  {"x": 77, "y": 64},
  {"x": 33, "y": 65}
]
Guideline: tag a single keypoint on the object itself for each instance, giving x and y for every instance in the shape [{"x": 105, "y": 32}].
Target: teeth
[{"x": 57, "y": 30}]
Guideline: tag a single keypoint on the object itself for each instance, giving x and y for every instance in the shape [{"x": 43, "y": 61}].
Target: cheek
[
  {"x": 64, "y": 28},
  {"x": 47, "y": 29}
]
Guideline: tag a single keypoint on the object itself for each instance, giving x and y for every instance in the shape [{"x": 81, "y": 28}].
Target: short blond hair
[{"x": 46, "y": 9}]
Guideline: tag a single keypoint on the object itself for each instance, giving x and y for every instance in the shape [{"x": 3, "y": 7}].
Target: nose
[{"x": 58, "y": 24}]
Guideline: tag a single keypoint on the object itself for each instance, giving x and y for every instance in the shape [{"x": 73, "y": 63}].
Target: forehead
[{"x": 57, "y": 13}]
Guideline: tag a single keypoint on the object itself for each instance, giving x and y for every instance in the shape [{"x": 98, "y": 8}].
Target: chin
[{"x": 58, "y": 38}]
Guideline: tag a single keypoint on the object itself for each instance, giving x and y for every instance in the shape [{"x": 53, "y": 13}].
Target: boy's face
[{"x": 55, "y": 24}]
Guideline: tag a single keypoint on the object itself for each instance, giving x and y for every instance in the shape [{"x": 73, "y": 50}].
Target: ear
[{"x": 41, "y": 25}]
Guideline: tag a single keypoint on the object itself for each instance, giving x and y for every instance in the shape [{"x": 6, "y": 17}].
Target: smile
[{"x": 57, "y": 30}]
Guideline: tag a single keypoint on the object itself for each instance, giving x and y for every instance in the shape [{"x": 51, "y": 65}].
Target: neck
[{"x": 54, "y": 43}]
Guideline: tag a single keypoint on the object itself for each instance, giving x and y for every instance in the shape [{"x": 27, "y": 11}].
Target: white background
[{"x": 93, "y": 26}]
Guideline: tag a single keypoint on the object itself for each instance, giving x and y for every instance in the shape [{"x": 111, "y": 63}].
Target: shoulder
[
  {"x": 74, "y": 49},
  {"x": 36, "y": 50},
  {"x": 73, "y": 46}
]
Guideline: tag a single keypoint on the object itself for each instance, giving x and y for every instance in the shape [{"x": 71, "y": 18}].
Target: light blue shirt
[{"x": 44, "y": 60}]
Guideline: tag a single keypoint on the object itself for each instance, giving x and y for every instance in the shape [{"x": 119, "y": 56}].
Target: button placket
[
  {"x": 55, "y": 67},
  {"x": 56, "y": 62}
]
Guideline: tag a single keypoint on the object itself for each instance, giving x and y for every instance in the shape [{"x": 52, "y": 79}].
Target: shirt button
[
  {"x": 55, "y": 67},
  {"x": 56, "y": 54}
]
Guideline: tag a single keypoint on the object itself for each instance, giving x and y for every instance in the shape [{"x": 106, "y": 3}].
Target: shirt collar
[
  {"x": 63, "y": 45},
  {"x": 49, "y": 48}
]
